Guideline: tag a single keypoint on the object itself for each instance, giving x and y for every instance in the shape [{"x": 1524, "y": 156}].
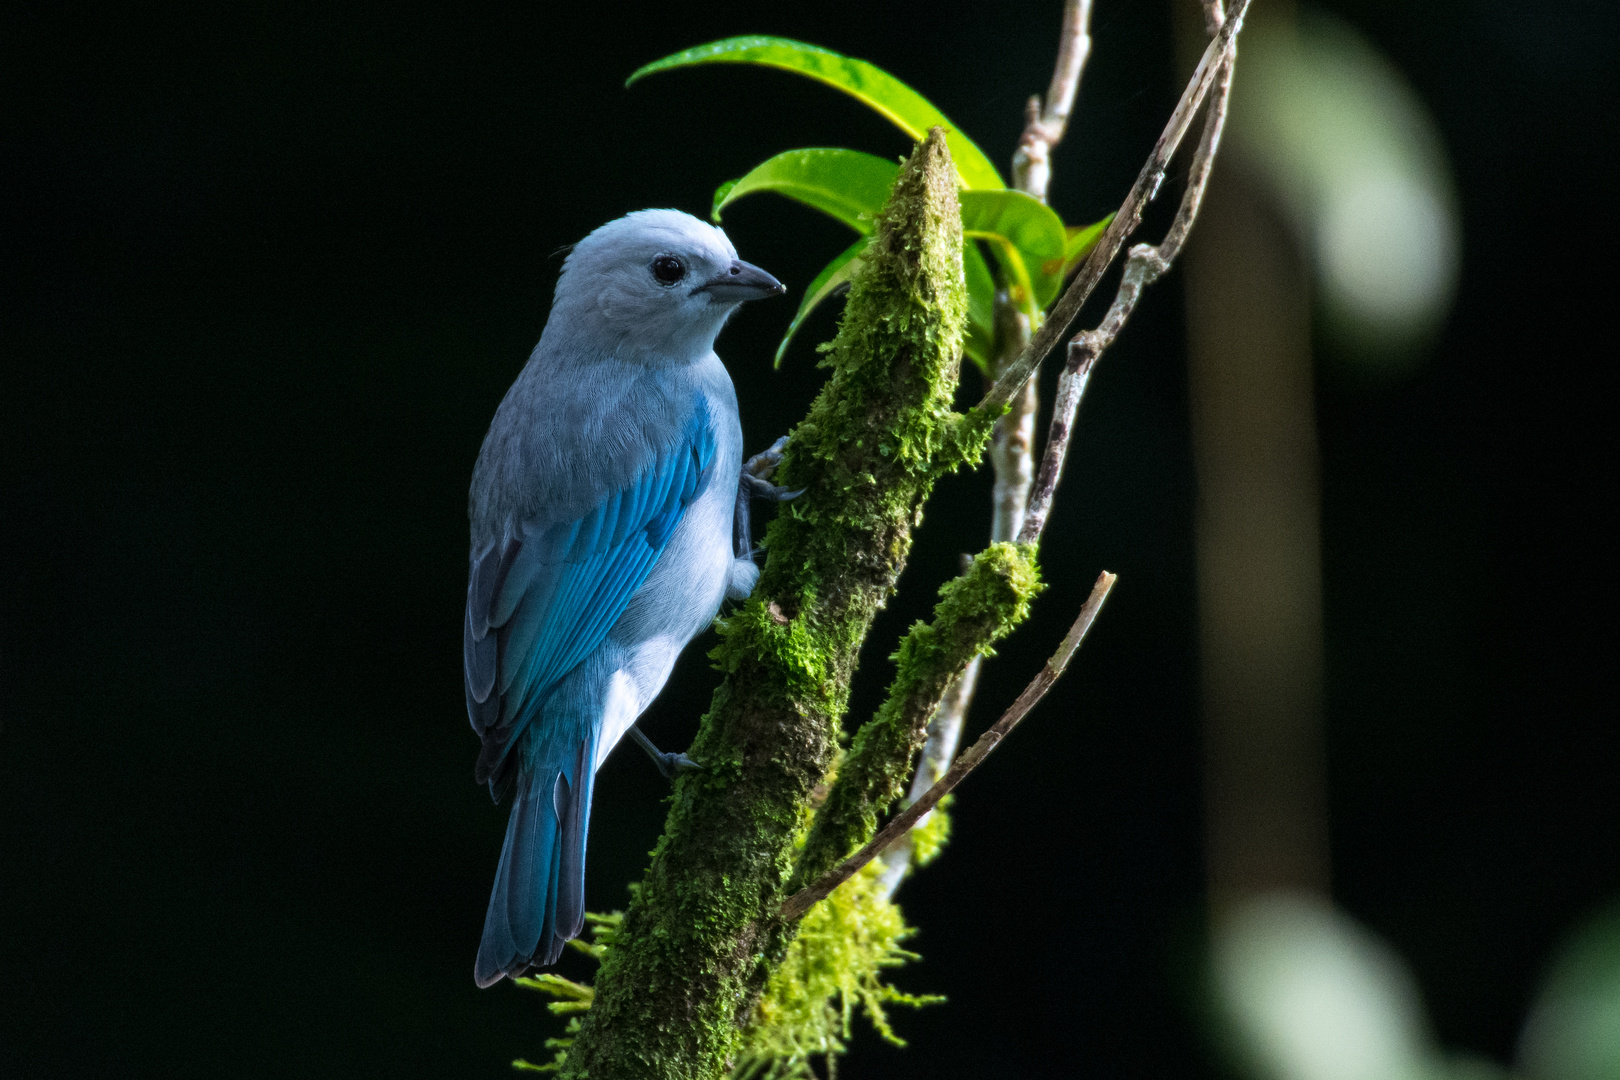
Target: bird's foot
[
  {"x": 671, "y": 765},
  {"x": 756, "y": 472},
  {"x": 765, "y": 462}
]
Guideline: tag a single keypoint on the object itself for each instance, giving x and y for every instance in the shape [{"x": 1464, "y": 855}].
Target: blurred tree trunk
[{"x": 1258, "y": 535}]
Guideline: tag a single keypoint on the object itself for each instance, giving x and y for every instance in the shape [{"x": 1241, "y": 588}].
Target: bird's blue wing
[{"x": 540, "y": 599}]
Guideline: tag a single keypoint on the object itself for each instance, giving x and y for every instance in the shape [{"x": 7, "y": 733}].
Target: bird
[{"x": 609, "y": 522}]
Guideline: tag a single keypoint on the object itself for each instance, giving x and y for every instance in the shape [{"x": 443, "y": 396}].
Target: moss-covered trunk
[
  {"x": 690, "y": 959},
  {"x": 976, "y": 609}
]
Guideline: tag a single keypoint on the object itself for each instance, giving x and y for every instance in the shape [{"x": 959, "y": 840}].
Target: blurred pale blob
[
  {"x": 1355, "y": 159},
  {"x": 1302, "y": 992},
  {"x": 1306, "y": 994},
  {"x": 1574, "y": 1029}
]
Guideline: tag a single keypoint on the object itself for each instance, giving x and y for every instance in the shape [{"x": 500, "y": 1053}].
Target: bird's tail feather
[{"x": 538, "y": 901}]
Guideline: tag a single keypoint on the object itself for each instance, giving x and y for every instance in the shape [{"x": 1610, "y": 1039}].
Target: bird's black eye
[{"x": 668, "y": 269}]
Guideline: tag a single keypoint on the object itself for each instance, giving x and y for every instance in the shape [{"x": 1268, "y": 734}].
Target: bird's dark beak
[{"x": 742, "y": 281}]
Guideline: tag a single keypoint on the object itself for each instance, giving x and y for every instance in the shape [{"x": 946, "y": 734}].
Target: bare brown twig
[
  {"x": 1143, "y": 266},
  {"x": 1045, "y": 122},
  {"x": 1011, "y": 448},
  {"x": 1210, "y": 68},
  {"x": 800, "y": 902},
  {"x": 1071, "y": 387}
]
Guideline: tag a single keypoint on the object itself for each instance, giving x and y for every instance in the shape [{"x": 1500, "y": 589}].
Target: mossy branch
[
  {"x": 802, "y": 901},
  {"x": 693, "y": 952},
  {"x": 976, "y": 609}
]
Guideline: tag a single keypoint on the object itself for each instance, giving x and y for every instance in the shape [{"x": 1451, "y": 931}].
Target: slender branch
[
  {"x": 1145, "y": 265},
  {"x": 1126, "y": 220},
  {"x": 1044, "y": 124},
  {"x": 943, "y": 735},
  {"x": 1011, "y": 445},
  {"x": 800, "y": 902},
  {"x": 1203, "y": 161},
  {"x": 1071, "y": 387},
  {"x": 976, "y": 609},
  {"x": 1024, "y": 511}
]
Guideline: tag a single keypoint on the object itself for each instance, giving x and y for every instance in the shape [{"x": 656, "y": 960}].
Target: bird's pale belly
[{"x": 669, "y": 610}]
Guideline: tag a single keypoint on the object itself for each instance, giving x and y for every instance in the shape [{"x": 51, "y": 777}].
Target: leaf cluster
[{"x": 1031, "y": 250}]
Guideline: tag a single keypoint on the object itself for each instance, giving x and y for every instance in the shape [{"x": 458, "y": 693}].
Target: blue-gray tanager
[{"x": 607, "y": 527}]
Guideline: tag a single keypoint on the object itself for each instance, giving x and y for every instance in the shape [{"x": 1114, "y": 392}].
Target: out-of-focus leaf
[
  {"x": 833, "y": 277},
  {"x": 904, "y": 107},
  {"x": 1080, "y": 240},
  {"x": 845, "y": 184},
  {"x": 1574, "y": 1029},
  {"x": 1357, "y": 164},
  {"x": 1303, "y": 993},
  {"x": 1028, "y": 238}
]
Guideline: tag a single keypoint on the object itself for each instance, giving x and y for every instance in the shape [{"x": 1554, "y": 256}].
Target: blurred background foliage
[{"x": 271, "y": 268}]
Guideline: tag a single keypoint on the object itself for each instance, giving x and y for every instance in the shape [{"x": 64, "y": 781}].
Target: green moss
[
  {"x": 975, "y": 610},
  {"x": 697, "y": 942},
  {"x": 930, "y": 835},
  {"x": 833, "y": 968},
  {"x": 570, "y": 998}
]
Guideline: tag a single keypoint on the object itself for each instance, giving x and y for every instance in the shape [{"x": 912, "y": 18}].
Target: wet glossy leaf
[
  {"x": 845, "y": 184},
  {"x": 1080, "y": 239},
  {"x": 1027, "y": 237},
  {"x": 900, "y": 104},
  {"x": 833, "y": 277}
]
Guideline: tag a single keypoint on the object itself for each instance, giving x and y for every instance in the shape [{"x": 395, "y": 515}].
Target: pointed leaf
[
  {"x": 1028, "y": 238},
  {"x": 1014, "y": 271},
  {"x": 904, "y": 107},
  {"x": 980, "y": 340},
  {"x": 845, "y": 184},
  {"x": 1080, "y": 240},
  {"x": 833, "y": 277}
]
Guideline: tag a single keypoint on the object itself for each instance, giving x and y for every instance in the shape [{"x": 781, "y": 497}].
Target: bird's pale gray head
[{"x": 658, "y": 280}]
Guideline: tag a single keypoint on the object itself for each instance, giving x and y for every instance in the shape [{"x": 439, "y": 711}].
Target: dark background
[{"x": 268, "y": 268}]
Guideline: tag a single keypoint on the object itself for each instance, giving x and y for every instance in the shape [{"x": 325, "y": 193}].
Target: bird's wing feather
[{"x": 542, "y": 598}]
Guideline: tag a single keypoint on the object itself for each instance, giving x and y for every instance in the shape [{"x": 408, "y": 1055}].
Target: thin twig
[
  {"x": 800, "y": 902},
  {"x": 1071, "y": 387},
  {"x": 1045, "y": 123},
  {"x": 1011, "y": 452},
  {"x": 944, "y": 734},
  {"x": 1125, "y": 221},
  {"x": 1203, "y": 161},
  {"x": 1145, "y": 265}
]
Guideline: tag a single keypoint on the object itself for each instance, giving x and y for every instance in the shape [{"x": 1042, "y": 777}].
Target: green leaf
[
  {"x": 904, "y": 107},
  {"x": 845, "y": 184},
  {"x": 834, "y": 276},
  {"x": 1080, "y": 240},
  {"x": 980, "y": 340},
  {"x": 978, "y": 343},
  {"x": 1027, "y": 237}
]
